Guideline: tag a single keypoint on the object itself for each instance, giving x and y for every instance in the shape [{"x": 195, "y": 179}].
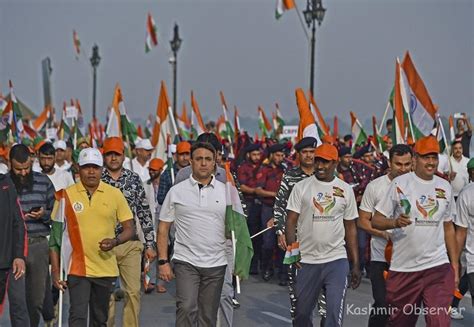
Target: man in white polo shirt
[
  {"x": 197, "y": 208},
  {"x": 419, "y": 206},
  {"x": 400, "y": 160},
  {"x": 323, "y": 209}
]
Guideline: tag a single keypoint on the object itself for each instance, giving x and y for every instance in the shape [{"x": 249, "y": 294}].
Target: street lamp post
[
  {"x": 95, "y": 60},
  {"x": 314, "y": 12},
  {"x": 175, "y": 45}
]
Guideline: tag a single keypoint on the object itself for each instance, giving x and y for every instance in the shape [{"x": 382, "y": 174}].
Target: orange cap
[
  {"x": 427, "y": 144},
  {"x": 328, "y": 139},
  {"x": 156, "y": 164},
  {"x": 113, "y": 144},
  {"x": 183, "y": 147},
  {"x": 326, "y": 151}
]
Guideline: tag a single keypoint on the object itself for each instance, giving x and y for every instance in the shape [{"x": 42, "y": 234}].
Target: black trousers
[
  {"x": 254, "y": 225},
  {"x": 91, "y": 294},
  {"x": 378, "y": 315},
  {"x": 3, "y": 286}
]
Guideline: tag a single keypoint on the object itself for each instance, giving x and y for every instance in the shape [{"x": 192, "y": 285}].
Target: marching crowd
[{"x": 402, "y": 216}]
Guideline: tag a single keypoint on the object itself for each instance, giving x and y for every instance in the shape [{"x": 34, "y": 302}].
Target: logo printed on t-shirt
[
  {"x": 427, "y": 207},
  {"x": 323, "y": 204},
  {"x": 78, "y": 207}
]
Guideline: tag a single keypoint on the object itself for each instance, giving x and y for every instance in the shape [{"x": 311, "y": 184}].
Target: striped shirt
[{"x": 41, "y": 194}]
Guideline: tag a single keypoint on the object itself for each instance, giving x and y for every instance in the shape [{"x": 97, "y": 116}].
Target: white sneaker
[{"x": 456, "y": 314}]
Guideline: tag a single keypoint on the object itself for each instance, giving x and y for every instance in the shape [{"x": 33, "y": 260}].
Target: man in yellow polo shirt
[{"x": 83, "y": 235}]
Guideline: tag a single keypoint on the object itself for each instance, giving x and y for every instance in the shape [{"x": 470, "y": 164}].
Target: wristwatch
[{"x": 162, "y": 262}]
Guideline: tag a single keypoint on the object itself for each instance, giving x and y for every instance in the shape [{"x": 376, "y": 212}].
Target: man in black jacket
[{"x": 12, "y": 236}]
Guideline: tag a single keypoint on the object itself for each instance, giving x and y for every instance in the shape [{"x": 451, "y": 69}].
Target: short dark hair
[
  {"x": 20, "y": 153},
  {"x": 69, "y": 144},
  {"x": 389, "y": 122},
  {"x": 400, "y": 150},
  {"x": 456, "y": 142},
  {"x": 210, "y": 138},
  {"x": 347, "y": 137},
  {"x": 203, "y": 145},
  {"x": 47, "y": 149}
]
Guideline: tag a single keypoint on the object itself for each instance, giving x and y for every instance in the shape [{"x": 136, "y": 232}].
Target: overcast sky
[{"x": 239, "y": 47}]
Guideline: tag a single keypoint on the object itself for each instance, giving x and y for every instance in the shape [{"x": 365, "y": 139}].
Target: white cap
[
  {"x": 61, "y": 145},
  {"x": 90, "y": 156},
  {"x": 144, "y": 144}
]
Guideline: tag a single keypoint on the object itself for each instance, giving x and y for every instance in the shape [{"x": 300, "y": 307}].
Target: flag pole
[
  {"x": 261, "y": 232},
  {"x": 384, "y": 117},
  {"x": 60, "y": 302},
  {"x": 301, "y": 21},
  {"x": 237, "y": 278},
  {"x": 173, "y": 122},
  {"x": 446, "y": 145}
]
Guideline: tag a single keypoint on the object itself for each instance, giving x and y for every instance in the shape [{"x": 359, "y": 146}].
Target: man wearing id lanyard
[{"x": 423, "y": 273}]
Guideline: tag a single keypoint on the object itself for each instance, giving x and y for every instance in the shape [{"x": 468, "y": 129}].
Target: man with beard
[
  {"x": 246, "y": 174},
  {"x": 61, "y": 179},
  {"x": 36, "y": 196},
  {"x": 305, "y": 154},
  {"x": 129, "y": 254},
  {"x": 400, "y": 163},
  {"x": 323, "y": 210},
  {"x": 183, "y": 150},
  {"x": 155, "y": 168},
  {"x": 420, "y": 207},
  {"x": 268, "y": 181}
]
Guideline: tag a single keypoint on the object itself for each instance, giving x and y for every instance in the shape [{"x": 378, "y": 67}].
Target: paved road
[{"x": 263, "y": 304}]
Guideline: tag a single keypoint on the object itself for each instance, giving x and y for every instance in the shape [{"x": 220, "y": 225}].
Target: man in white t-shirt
[
  {"x": 323, "y": 209},
  {"x": 197, "y": 208},
  {"x": 61, "y": 159},
  {"x": 458, "y": 177},
  {"x": 465, "y": 224},
  {"x": 140, "y": 163},
  {"x": 419, "y": 206},
  {"x": 400, "y": 162},
  {"x": 61, "y": 179}
]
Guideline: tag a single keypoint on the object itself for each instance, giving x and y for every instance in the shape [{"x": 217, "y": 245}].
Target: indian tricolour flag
[
  {"x": 404, "y": 202},
  {"x": 263, "y": 122},
  {"x": 65, "y": 237},
  {"x": 359, "y": 136},
  {"x": 151, "y": 39},
  {"x": 307, "y": 125},
  {"x": 282, "y": 6},
  {"x": 236, "y": 228},
  {"x": 416, "y": 97}
]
